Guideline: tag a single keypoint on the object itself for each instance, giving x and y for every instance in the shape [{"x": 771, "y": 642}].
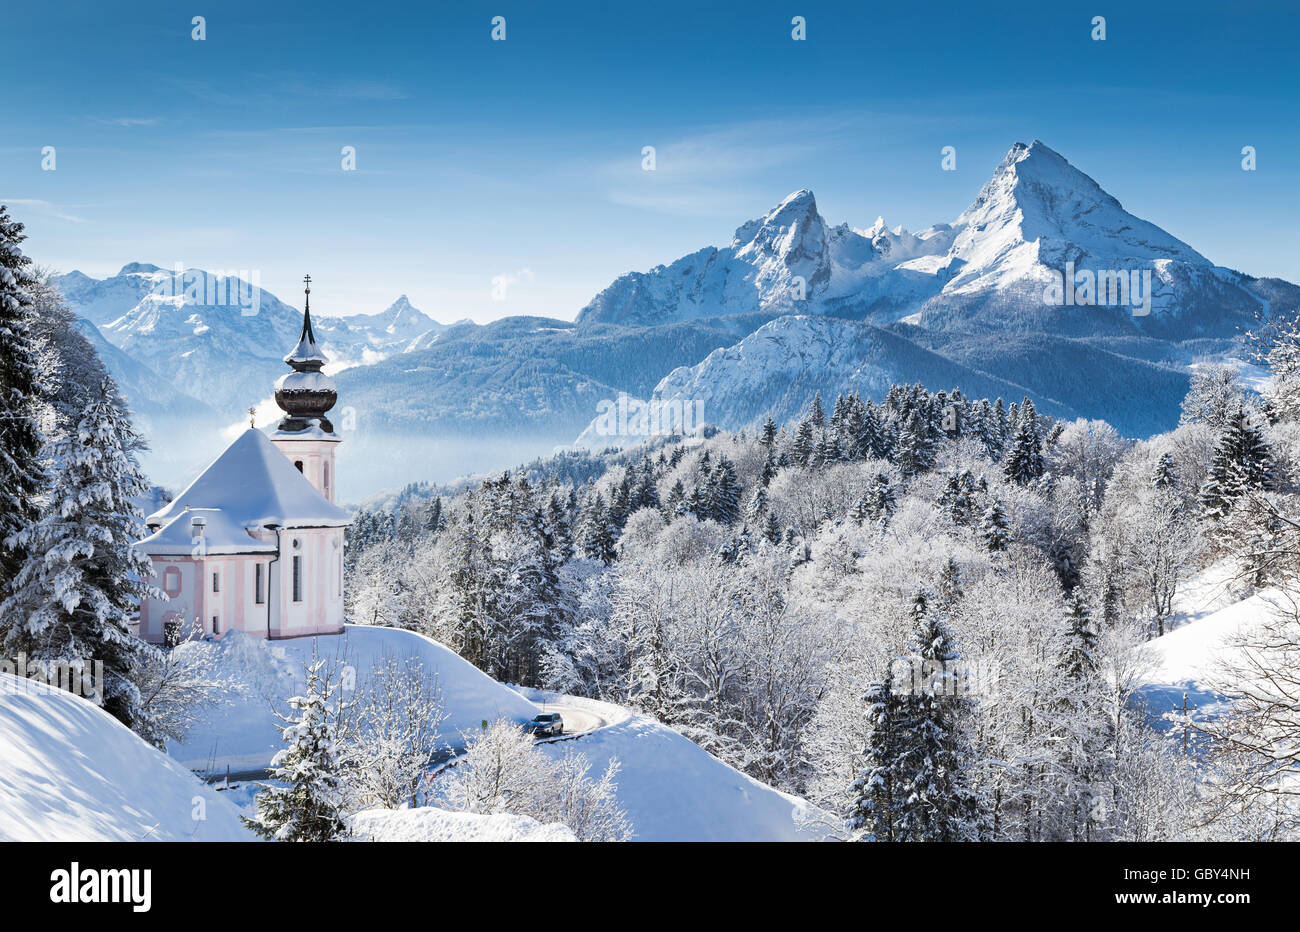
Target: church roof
[
  {"x": 253, "y": 483},
  {"x": 220, "y": 535}
]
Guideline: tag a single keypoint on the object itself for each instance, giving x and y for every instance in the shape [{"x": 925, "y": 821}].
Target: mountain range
[{"x": 790, "y": 306}]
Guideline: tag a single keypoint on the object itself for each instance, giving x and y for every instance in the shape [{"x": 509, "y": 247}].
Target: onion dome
[{"x": 306, "y": 393}]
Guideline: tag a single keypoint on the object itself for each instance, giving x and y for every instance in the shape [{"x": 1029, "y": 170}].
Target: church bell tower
[{"x": 305, "y": 435}]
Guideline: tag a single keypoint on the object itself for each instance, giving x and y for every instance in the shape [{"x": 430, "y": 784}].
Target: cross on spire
[{"x": 307, "y": 280}]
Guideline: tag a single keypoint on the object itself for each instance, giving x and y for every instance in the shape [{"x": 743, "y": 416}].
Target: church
[{"x": 255, "y": 543}]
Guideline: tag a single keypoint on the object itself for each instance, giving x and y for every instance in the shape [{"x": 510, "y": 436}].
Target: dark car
[{"x": 546, "y": 725}]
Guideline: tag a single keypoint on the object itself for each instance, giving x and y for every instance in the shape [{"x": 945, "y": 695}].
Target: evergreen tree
[
  {"x": 310, "y": 806},
  {"x": 1164, "y": 476},
  {"x": 772, "y": 528},
  {"x": 73, "y": 598},
  {"x": 801, "y": 450},
  {"x": 768, "y": 438},
  {"x": 816, "y": 413},
  {"x": 1025, "y": 462},
  {"x": 938, "y": 803},
  {"x": 914, "y": 452},
  {"x": 1242, "y": 462},
  {"x": 877, "y": 790},
  {"x": 724, "y": 493},
  {"x": 993, "y": 527},
  {"x": 21, "y": 474},
  {"x": 598, "y": 536}
]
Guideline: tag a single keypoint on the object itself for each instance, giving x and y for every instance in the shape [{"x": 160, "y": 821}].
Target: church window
[
  {"x": 216, "y": 582},
  {"x": 298, "y": 463},
  {"x": 259, "y": 585},
  {"x": 297, "y": 578},
  {"x": 172, "y": 581}
]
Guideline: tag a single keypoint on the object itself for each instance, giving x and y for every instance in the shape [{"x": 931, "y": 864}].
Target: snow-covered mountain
[
  {"x": 790, "y": 306},
  {"x": 1038, "y": 218},
  {"x": 220, "y": 339}
]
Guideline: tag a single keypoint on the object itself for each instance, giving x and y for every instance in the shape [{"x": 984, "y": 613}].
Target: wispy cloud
[
  {"x": 43, "y": 207},
  {"x": 128, "y": 121}
]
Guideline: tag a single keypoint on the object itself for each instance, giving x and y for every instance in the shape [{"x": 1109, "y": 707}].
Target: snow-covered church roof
[
  {"x": 254, "y": 484},
  {"x": 218, "y": 533}
]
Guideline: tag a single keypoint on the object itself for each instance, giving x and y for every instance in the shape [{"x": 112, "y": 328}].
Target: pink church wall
[{"x": 235, "y": 605}]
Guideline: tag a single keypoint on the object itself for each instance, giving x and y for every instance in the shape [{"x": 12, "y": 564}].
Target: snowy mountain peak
[
  {"x": 139, "y": 268},
  {"x": 788, "y": 242}
]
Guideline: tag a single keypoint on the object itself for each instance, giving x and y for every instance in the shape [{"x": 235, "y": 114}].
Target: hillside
[{"x": 74, "y": 773}]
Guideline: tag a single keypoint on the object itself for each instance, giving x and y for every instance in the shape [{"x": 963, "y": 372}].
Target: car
[{"x": 546, "y": 725}]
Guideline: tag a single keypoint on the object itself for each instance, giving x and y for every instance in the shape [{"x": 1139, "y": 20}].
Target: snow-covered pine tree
[
  {"x": 914, "y": 452},
  {"x": 1242, "y": 462},
  {"x": 938, "y": 802},
  {"x": 816, "y": 412},
  {"x": 801, "y": 450},
  {"x": 21, "y": 440},
  {"x": 597, "y": 536},
  {"x": 993, "y": 527},
  {"x": 724, "y": 493},
  {"x": 310, "y": 806},
  {"x": 1024, "y": 462},
  {"x": 877, "y": 790},
  {"x": 1079, "y": 733},
  {"x": 1164, "y": 476},
  {"x": 73, "y": 597}
]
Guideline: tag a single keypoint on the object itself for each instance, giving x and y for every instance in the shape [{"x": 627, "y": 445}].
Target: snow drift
[{"x": 74, "y": 773}]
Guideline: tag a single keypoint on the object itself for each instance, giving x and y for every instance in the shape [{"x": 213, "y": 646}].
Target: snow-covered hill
[
  {"x": 71, "y": 772},
  {"x": 243, "y": 736},
  {"x": 673, "y": 790}
]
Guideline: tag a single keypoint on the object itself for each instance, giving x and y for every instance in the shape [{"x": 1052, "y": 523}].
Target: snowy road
[{"x": 576, "y": 721}]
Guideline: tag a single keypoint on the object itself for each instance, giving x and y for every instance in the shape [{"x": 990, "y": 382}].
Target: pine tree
[
  {"x": 772, "y": 528},
  {"x": 877, "y": 791},
  {"x": 310, "y": 806},
  {"x": 816, "y": 413},
  {"x": 73, "y": 598},
  {"x": 801, "y": 450},
  {"x": 914, "y": 452},
  {"x": 993, "y": 527},
  {"x": 21, "y": 474},
  {"x": 1164, "y": 476},
  {"x": 724, "y": 493},
  {"x": 1242, "y": 462},
  {"x": 598, "y": 536},
  {"x": 1025, "y": 462},
  {"x": 768, "y": 438},
  {"x": 938, "y": 804}
]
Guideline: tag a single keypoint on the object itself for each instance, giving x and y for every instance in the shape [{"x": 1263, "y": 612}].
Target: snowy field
[
  {"x": 71, "y": 772},
  {"x": 244, "y": 737}
]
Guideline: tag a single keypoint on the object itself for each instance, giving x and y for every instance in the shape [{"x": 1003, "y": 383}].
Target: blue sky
[{"x": 522, "y": 158}]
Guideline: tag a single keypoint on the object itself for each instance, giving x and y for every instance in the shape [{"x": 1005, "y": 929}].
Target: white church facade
[{"x": 255, "y": 543}]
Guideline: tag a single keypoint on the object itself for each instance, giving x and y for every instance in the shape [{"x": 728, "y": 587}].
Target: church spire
[
  {"x": 306, "y": 393},
  {"x": 306, "y": 356}
]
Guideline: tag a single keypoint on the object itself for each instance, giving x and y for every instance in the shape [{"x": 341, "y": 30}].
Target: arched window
[
  {"x": 327, "y": 478},
  {"x": 298, "y": 464}
]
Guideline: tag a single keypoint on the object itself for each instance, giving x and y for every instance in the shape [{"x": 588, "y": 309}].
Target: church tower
[{"x": 305, "y": 435}]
